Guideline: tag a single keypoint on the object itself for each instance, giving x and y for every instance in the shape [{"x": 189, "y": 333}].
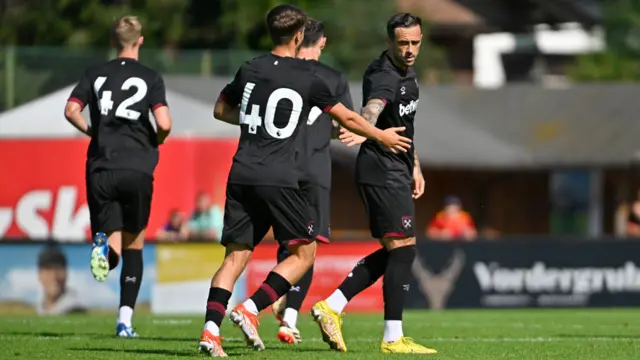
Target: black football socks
[
  {"x": 395, "y": 286},
  {"x": 299, "y": 291},
  {"x": 296, "y": 294},
  {"x": 366, "y": 272},
  {"x": 269, "y": 292},
  {"x": 216, "y": 309},
  {"x": 130, "y": 277},
  {"x": 130, "y": 280}
]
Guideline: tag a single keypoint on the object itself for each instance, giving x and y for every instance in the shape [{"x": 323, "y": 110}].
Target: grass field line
[{"x": 377, "y": 340}]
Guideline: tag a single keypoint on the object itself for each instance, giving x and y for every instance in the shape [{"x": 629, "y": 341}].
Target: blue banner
[{"x": 53, "y": 279}]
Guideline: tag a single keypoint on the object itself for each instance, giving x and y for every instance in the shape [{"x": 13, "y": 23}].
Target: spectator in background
[
  {"x": 633, "y": 217},
  {"x": 206, "y": 221},
  {"x": 452, "y": 223},
  {"x": 175, "y": 229},
  {"x": 52, "y": 273}
]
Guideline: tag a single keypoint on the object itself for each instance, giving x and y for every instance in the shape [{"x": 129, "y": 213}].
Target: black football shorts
[
  {"x": 119, "y": 200},
  {"x": 251, "y": 210},
  {"x": 319, "y": 200},
  {"x": 390, "y": 209}
]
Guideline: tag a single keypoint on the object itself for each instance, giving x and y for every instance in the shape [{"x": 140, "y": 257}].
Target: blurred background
[{"x": 527, "y": 133}]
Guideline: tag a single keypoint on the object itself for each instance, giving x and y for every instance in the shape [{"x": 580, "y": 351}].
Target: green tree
[
  {"x": 619, "y": 62},
  {"x": 248, "y": 22},
  {"x": 355, "y": 29},
  {"x": 85, "y": 23}
]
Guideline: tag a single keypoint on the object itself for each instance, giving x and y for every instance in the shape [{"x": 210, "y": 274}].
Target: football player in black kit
[
  {"x": 121, "y": 159},
  {"x": 389, "y": 183},
  {"x": 316, "y": 174},
  {"x": 270, "y": 98}
]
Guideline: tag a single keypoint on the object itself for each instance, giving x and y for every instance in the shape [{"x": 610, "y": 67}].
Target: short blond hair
[{"x": 126, "y": 31}]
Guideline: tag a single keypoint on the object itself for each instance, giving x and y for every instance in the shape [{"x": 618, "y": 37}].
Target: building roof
[
  {"x": 44, "y": 117},
  {"x": 512, "y": 127}
]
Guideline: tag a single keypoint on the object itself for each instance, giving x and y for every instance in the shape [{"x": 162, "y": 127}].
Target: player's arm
[
  {"x": 383, "y": 89},
  {"x": 80, "y": 96},
  {"x": 226, "y": 108},
  {"x": 225, "y": 112},
  {"x": 354, "y": 122},
  {"x": 322, "y": 98},
  {"x": 370, "y": 112},
  {"x": 160, "y": 110},
  {"x": 418, "y": 178},
  {"x": 344, "y": 96}
]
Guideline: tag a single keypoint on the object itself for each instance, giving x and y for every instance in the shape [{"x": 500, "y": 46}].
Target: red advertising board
[
  {"x": 333, "y": 263},
  {"x": 42, "y": 187}
]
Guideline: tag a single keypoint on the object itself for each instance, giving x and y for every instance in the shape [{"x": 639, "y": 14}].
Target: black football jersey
[
  {"x": 275, "y": 95},
  {"x": 398, "y": 88},
  {"x": 120, "y": 94},
  {"x": 317, "y": 135}
]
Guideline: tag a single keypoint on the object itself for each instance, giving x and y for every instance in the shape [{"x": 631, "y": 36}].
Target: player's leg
[
  {"x": 237, "y": 255},
  {"x": 318, "y": 199},
  {"x": 370, "y": 268},
  {"x": 130, "y": 281},
  {"x": 278, "y": 307},
  {"x": 135, "y": 191},
  {"x": 395, "y": 210},
  {"x": 288, "y": 331},
  {"x": 106, "y": 223},
  {"x": 365, "y": 273},
  {"x": 292, "y": 225},
  {"x": 240, "y": 234},
  {"x": 328, "y": 313}
]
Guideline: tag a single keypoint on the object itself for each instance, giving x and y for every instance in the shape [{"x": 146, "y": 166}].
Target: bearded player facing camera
[{"x": 388, "y": 183}]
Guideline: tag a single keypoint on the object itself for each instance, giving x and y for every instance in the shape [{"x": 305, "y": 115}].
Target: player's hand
[
  {"x": 350, "y": 139},
  {"x": 395, "y": 142},
  {"x": 418, "y": 183}
]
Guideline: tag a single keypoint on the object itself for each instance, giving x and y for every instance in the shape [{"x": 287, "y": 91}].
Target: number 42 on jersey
[{"x": 123, "y": 111}]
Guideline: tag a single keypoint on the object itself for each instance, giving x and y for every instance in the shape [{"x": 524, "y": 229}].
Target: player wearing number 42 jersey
[
  {"x": 270, "y": 98},
  {"x": 122, "y": 156}
]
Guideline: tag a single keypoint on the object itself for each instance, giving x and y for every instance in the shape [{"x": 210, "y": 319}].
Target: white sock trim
[
  {"x": 337, "y": 301},
  {"x": 124, "y": 315},
  {"x": 212, "y": 328},
  {"x": 290, "y": 317},
  {"x": 392, "y": 330},
  {"x": 250, "y": 306}
]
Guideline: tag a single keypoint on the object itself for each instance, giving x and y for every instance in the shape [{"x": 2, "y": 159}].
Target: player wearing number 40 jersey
[
  {"x": 271, "y": 97},
  {"x": 122, "y": 156}
]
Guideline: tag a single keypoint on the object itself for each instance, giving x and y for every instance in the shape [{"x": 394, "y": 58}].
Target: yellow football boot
[
  {"x": 404, "y": 346},
  {"x": 330, "y": 323}
]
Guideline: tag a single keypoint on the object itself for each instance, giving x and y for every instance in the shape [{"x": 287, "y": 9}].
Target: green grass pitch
[{"x": 485, "y": 334}]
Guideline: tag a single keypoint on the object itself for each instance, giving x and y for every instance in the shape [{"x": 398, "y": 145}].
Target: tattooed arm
[{"x": 370, "y": 112}]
